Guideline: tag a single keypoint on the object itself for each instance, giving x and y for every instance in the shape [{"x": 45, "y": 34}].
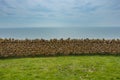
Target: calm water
[{"x": 48, "y": 33}]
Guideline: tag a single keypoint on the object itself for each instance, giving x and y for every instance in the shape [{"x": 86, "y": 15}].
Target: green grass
[{"x": 61, "y": 68}]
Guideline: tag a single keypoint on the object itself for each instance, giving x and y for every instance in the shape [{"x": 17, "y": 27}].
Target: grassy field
[{"x": 61, "y": 68}]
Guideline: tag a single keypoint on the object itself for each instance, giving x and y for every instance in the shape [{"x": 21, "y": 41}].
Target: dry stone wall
[{"x": 41, "y": 47}]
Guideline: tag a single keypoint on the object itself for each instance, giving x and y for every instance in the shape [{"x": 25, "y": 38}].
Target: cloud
[
  {"x": 43, "y": 6},
  {"x": 63, "y": 12},
  {"x": 32, "y": 7}
]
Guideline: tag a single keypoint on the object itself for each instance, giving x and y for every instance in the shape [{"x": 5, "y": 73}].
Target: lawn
[{"x": 61, "y": 68}]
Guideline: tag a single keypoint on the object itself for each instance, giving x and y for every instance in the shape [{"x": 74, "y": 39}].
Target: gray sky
[{"x": 59, "y": 13}]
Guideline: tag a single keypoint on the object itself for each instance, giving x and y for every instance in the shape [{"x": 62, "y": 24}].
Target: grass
[{"x": 61, "y": 68}]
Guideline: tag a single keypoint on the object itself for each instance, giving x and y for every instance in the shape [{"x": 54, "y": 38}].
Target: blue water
[{"x": 48, "y": 33}]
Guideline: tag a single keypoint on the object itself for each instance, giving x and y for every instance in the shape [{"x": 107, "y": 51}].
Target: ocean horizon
[{"x": 61, "y": 32}]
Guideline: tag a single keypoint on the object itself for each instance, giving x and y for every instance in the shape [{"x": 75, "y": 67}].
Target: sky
[{"x": 59, "y": 13}]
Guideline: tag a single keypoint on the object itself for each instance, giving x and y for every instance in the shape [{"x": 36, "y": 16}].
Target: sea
[{"x": 61, "y": 32}]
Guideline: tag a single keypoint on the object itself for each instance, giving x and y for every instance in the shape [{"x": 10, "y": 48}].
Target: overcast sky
[{"x": 59, "y": 13}]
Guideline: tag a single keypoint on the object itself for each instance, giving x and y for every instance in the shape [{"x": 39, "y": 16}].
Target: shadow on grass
[{"x": 59, "y": 55}]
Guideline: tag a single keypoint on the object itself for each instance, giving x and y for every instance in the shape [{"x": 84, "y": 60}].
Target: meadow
[{"x": 61, "y": 68}]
